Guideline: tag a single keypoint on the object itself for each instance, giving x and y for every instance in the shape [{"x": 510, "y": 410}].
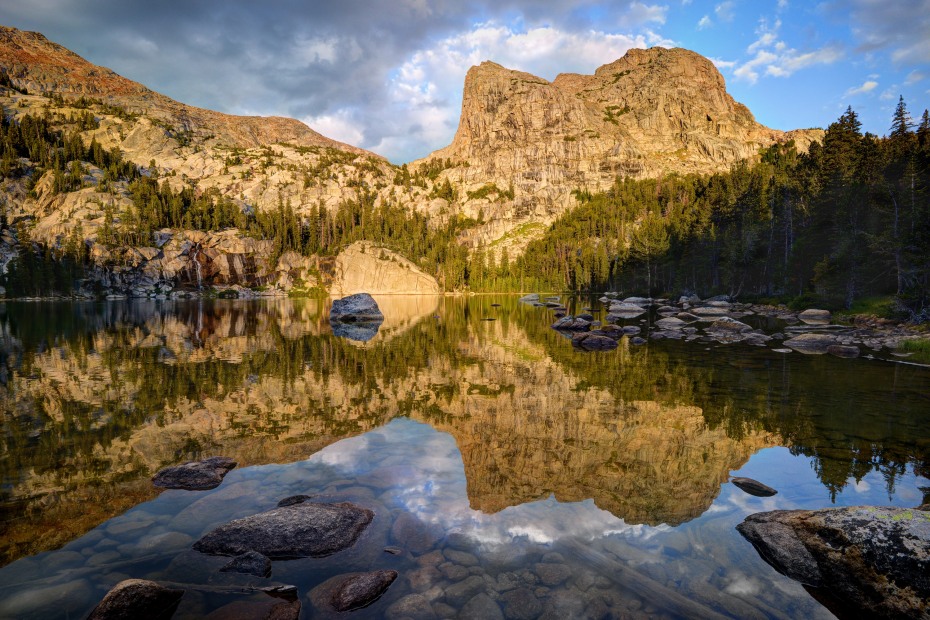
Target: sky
[{"x": 387, "y": 75}]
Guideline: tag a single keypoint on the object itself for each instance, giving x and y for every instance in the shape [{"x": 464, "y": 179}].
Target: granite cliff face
[{"x": 649, "y": 113}]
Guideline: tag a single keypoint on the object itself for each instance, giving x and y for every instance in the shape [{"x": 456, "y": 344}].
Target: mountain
[
  {"x": 652, "y": 112},
  {"x": 38, "y": 65},
  {"x": 523, "y": 147}
]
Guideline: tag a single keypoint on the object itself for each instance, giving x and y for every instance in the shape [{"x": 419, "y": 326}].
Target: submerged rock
[
  {"x": 753, "y": 487},
  {"x": 670, "y": 323},
  {"x": 869, "y": 561},
  {"x": 195, "y": 475},
  {"x": 138, "y": 599},
  {"x": 843, "y": 350},
  {"x": 249, "y": 563},
  {"x": 352, "y": 591},
  {"x": 296, "y": 531}
]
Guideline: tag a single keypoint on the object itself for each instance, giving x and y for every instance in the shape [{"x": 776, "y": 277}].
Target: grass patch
[
  {"x": 919, "y": 348},
  {"x": 883, "y": 307}
]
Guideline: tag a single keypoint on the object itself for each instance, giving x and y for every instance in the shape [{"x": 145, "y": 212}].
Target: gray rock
[
  {"x": 250, "y": 563},
  {"x": 481, "y": 607},
  {"x": 356, "y": 308},
  {"x": 138, "y": 599},
  {"x": 631, "y": 330},
  {"x": 531, "y": 298},
  {"x": 814, "y": 344},
  {"x": 356, "y": 317},
  {"x": 297, "y": 531},
  {"x": 710, "y": 311},
  {"x": 637, "y": 341},
  {"x": 843, "y": 350},
  {"x": 195, "y": 475},
  {"x": 463, "y": 558},
  {"x": 591, "y": 341},
  {"x": 869, "y": 561},
  {"x": 294, "y": 499},
  {"x": 460, "y": 593},
  {"x": 814, "y": 316},
  {"x": 728, "y": 325},
  {"x": 670, "y": 323},
  {"x": 753, "y": 487},
  {"x": 412, "y": 606},
  {"x": 352, "y": 591},
  {"x": 551, "y": 574},
  {"x": 521, "y": 604}
]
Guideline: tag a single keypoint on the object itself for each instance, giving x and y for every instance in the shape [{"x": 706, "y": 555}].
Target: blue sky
[{"x": 388, "y": 76}]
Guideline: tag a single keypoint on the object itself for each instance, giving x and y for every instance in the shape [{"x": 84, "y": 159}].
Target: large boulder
[
  {"x": 358, "y": 308},
  {"x": 139, "y": 599},
  {"x": 195, "y": 475},
  {"x": 868, "y": 561},
  {"x": 352, "y": 591},
  {"x": 356, "y": 317},
  {"x": 296, "y": 531}
]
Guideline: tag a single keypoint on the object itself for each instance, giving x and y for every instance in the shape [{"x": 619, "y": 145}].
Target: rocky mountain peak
[{"x": 652, "y": 112}]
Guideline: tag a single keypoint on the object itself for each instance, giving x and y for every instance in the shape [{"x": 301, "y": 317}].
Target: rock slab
[
  {"x": 870, "y": 561},
  {"x": 360, "y": 307},
  {"x": 195, "y": 475},
  {"x": 138, "y": 599},
  {"x": 297, "y": 531}
]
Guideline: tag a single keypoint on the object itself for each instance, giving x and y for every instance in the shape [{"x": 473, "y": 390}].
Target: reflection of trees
[
  {"x": 102, "y": 394},
  {"x": 851, "y": 416}
]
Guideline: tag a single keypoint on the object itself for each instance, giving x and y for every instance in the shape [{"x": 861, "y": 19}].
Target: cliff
[{"x": 652, "y": 112}]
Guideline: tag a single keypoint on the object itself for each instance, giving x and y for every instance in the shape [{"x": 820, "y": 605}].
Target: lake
[{"x": 516, "y": 475}]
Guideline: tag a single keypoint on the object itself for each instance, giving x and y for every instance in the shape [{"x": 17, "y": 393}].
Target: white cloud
[
  {"x": 724, "y": 11},
  {"x": 723, "y": 64},
  {"x": 866, "y": 87},
  {"x": 914, "y": 76},
  {"x": 901, "y": 26},
  {"x": 782, "y": 5},
  {"x": 640, "y": 13},
  {"x": 425, "y": 93},
  {"x": 749, "y": 70},
  {"x": 704, "y": 22}
]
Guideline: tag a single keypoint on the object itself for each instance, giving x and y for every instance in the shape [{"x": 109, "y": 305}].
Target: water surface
[{"x": 510, "y": 467}]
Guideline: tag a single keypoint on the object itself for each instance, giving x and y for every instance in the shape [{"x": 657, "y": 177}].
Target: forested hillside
[{"x": 847, "y": 220}]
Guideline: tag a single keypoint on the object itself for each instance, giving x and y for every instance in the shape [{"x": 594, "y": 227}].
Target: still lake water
[{"x": 520, "y": 476}]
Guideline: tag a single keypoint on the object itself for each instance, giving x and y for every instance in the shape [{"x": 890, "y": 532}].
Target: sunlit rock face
[
  {"x": 651, "y": 112},
  {"x": 364, "y": 267}
]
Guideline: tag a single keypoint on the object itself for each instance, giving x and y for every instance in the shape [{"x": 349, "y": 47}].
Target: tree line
[{"x": 847, "y": 220}]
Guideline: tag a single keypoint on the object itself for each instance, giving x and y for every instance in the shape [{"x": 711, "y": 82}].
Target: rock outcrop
[
  {"x": 366, "y": 267},
  {"x": 871, "y": 562},
  {"x": 651, "y": 112}
]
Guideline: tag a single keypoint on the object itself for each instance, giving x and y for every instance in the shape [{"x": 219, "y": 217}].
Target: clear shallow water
[{"x": 510, "y": 467}]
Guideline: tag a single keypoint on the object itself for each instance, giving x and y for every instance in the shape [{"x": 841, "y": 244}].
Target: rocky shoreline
[{"x": 719, "y": 320}]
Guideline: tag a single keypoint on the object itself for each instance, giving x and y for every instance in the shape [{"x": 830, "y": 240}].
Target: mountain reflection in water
[{"x": 100, "y": 396}]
